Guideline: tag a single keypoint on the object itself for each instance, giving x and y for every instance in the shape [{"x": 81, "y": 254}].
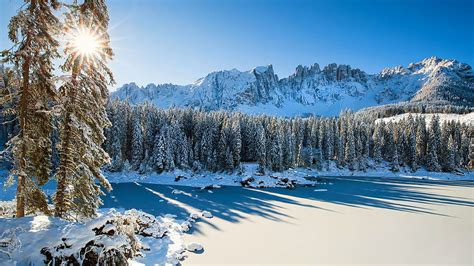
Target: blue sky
[{"x": 179, "y": 41}]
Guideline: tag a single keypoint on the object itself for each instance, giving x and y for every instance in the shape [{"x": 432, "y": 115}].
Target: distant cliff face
[{"x": 312, "y": 89}]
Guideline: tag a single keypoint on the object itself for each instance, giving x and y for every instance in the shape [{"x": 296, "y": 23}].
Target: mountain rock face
[{"x": 313, "y": 90}]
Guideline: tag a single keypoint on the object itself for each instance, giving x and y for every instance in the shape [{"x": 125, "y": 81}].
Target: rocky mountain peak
[{"x": 313, "y": 90}]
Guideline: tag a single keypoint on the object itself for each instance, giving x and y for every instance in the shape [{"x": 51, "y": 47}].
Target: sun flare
[{"x": 85, "y": 43}]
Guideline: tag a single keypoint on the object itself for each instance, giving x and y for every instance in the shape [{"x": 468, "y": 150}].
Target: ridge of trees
[{"x": 145, "y": 138}]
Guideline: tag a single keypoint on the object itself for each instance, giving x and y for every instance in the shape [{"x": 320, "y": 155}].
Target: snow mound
[
  {"x": 207, "y": 214},
  {"x": 113, "y": 238},
  {"x": 193, "y": 247},
  {"x": 194, "y": 216}
]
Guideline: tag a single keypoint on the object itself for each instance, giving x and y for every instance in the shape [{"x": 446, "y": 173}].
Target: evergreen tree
[
  {"x": 378, "y": 142},
  {"x": 83, "y": 114},
  {"x": 421, "y": 141},
  {"x": 31, "y": 32},
  {"x": 350, "y": 153},
  {"x": 411, "y": 155},
  {"x": 451, "y": 158},
  {"x": 236, "y": 142},
  {"x": 432, "y": 162},
  {"x": 137, "y": 139},
  {"x": 395, "y": 164},
  {"x": 260, "y": 147}
]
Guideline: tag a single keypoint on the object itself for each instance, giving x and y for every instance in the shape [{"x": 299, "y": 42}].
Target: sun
[{"x": 85, "y": 43}]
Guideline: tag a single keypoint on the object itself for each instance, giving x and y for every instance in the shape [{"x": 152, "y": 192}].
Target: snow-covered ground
[
  {"x": 347, "y": 221},
  {"x": 249, "y": 177},
  {"x": 131, "y": 235},
  {"x": 300, "y": 176},
  {"x": 465, "y": 118},
  {"x": 159, "y": 240}
]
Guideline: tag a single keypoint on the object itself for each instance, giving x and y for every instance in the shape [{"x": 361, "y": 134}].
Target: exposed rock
[{"x": 432, "y": 79}]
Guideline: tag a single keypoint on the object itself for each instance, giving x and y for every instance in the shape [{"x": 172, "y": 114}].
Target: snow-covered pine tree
[
  {"x": 260, "y": 147},
  {"x": 288, "y": 147},
  {"x": 224, "y": 147},
  {"x": 83, "y": 115},
  {"x": 465, "y": 144},
  {"x": 236, "y": 141},
  {"x": 276, "y": 152},
  {"x": 349, "y": 151},
  {"x": 364, "y": 160},
  {"x": 450, "y": 162},
  {"x": 32, "y": 32},
  {"x": 377, "y": 138},
  {"x": 158, "y": 158},
  {"x": 411, "y": 150},
  {"x": 117, "y": 135},
  {"x": 298, "y": 135},
  {"x": 137, "y": 139},
  {"x": 421, "y": 140},
  {"x": 339, "y": 147},
  {"x": 470, "y": 164},
  {"x": 434, "y": 135},
  {"x": 177, "y": 140},
  {"x": 395, "y": 165}
]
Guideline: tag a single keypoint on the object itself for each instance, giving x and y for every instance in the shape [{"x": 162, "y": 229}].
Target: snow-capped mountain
[{"x": 312, "y": 89}]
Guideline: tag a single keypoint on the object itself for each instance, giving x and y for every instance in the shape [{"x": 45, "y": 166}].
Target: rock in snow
[
  {"x": 193, "y": 247},
  {"x": 113, "y": 238},
  {"x": 207, "y": 214}
]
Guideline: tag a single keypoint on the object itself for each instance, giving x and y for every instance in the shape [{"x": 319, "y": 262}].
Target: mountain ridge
[{"x": 311, "y": 89}]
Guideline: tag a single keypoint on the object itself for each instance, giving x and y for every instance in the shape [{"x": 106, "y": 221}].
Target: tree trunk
[
  {"x": 23, "y": 115},
  {"x": 61, "y": 198}
]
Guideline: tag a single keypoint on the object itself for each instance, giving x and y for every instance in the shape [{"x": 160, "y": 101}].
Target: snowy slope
[
  {"x": 312, "y": 90},
  {"x": 464, "y": 119}
]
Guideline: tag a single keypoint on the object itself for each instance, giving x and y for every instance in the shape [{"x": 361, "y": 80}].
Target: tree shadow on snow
[{"x": 232, "y": 203}]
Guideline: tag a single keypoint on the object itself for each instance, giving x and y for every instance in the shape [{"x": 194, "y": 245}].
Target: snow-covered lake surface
[
  {"x": 342, "y": 220},
  {"x": 345, "y": 220}
]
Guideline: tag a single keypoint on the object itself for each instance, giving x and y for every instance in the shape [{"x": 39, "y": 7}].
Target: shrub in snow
[
  {"x": 286, "y": 182},
  {"x": 7, "y": 208},
  {"x": 245, "y": 182},
  {"x": 193, "y": 247},
  {"x": 179, "y": 177}
]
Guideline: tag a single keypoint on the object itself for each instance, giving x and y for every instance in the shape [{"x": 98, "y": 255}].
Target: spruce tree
[
  {"x": 32, "y": 32},
  {"x": 350, "y": 153},
  {"x": 137, "y": 139},
  {"x": 451, "y": 157},
  {"x": 260, "y": 147},
  {"x": 83, "y": 114}
]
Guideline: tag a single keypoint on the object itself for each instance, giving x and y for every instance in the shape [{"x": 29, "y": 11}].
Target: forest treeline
[{"x": 145, "y": 138}]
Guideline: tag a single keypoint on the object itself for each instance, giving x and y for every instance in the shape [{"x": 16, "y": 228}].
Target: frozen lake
[{"x": 346, "y": 220}]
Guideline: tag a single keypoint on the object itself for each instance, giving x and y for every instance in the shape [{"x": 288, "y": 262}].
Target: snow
[
  {"x": 308, "y": 91},
  {"x": 210, "y": 180},
  {"x": 160, "y": 243},
  {"x": 300, "y": 176},
  {"x": 206, "y": 214},
  {"x": 465, "y": 118},
  {"x": 194, "y": 247}
]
